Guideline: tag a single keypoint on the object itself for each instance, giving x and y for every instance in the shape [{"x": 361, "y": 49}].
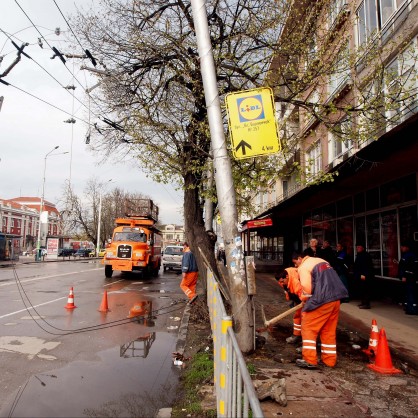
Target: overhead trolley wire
[
  {"x": 86, "y": 51},
  {"x": 57, "y": 53},
  {"x": 41, "y": 100}
]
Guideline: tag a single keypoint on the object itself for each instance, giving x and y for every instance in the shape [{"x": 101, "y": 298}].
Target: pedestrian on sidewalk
[
  {"x": 341, "y": 267},
  {"x": 408, "y": 273},
  {"x": 363, "y": 274},
  {"x": 288, "y": 279},
  {"x": 327, "y": 253},
  {"x": 312, "y": 250},
  {"x": 189, "y": 272},
  {"x": 322, "y": 291}
]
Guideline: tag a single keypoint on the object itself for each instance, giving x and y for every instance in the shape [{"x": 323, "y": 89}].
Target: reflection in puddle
[
  {"x": 141, "y": 309},
  {"x": 110, "y": 386},
  {"x": 139, "y": 347}
]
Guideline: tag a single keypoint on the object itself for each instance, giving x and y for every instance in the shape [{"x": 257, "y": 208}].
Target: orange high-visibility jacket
[{"x": 293, "y": 285}]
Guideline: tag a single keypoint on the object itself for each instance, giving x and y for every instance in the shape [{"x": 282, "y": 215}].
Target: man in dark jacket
[
  {"x": 408, "y": 269},
  {"x": 363, "y": 274}
]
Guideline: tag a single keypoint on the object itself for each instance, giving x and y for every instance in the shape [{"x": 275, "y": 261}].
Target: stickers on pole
[{"x": 252, "y": 123}]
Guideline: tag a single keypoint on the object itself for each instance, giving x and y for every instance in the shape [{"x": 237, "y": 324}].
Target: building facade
[
  {"x": 19, "y": 218},
  {"x": 354, "y": 137},
  {"x": 171, "y": 234}
]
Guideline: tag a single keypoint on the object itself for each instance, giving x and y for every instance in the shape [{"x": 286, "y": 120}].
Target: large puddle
[{"x": 133, "y": 380}]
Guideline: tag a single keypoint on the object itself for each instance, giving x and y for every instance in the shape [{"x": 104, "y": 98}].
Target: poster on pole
[{"x": 252, "y": 123}]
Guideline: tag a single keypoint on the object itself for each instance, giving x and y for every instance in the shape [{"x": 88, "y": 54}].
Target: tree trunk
[{"x": 195, "y": 231}]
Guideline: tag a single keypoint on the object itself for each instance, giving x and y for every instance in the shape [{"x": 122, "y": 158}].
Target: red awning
[{"x": 257, "y": 223}]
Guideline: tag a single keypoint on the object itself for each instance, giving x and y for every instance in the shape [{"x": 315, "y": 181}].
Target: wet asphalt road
[{"x": 58, "y": 362}]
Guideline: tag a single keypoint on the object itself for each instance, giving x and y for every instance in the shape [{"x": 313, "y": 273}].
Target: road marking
[
  {"x": 46, "y": 277},
  {"x": 110, "y": 284},
  {"x": 32, "y": 307}
]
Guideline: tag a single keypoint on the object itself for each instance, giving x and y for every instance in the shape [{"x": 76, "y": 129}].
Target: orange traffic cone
[
  {"x": 104, "y": 306},
  {"x": 383, "y": 363},
  {"x": 373, "y": 341},
  {"x": 70, "y": 301}
]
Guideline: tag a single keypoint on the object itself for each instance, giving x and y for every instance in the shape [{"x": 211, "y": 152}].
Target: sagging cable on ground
[{"x": 23, "y": 296}]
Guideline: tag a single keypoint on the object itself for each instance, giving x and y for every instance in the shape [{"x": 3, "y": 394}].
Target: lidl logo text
[{"x": 250, "y": 108}]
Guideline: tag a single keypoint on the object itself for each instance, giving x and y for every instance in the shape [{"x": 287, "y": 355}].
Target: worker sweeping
[
  {"x": 288, "y": 279},
  {"x": 322, "y": 291}
]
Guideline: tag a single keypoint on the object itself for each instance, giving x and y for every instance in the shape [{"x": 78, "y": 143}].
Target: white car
[{"x": 172, "y": 257}]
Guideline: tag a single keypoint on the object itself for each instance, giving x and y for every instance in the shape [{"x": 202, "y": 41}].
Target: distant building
[
  {"x": 19, "y": 218},
  {"x": 171, "y": 234}
]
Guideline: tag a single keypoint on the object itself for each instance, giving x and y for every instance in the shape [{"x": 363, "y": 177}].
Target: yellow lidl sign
[{"x": 252, "y": 123}]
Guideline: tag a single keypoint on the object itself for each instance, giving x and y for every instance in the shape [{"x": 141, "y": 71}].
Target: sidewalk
[
  {"x": 350, "y": 389},
  {"x": 30, "y": 259},
  {"x": 401, "y": 329}
]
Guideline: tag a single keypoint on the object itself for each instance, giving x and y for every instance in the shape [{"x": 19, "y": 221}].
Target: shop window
[
  {"x": 399, "y": 191},
  {"x": 345, "y": 234},
  {"x": 373, "y": 241},
  {"x": 329, "y": 211},
  {"x": 360, "y": 236},
  {"x": 345, "y": 207},
  {"x": 359, "y": 204},
  {"x": 408, "y": 223},
  {"x": 317, "y": 215},
  {"x": 389, "y": 244},
  {"x": 307, "y": 219},
  {"x": 329, "y": 233},
  {"x": 372, "y": 199}
]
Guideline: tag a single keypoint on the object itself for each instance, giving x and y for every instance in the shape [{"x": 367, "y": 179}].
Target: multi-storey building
[
  {"x": 19, "y": 219},
  {"x": 346, "y": 91},
  {"x": 171, "y": 234}
]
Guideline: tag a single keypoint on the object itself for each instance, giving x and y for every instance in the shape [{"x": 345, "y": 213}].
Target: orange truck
[{"x": 136, "y": 242}]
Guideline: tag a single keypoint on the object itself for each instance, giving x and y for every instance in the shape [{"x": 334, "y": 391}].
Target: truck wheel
[
  {"x": 165, "y": 268},
  {"x": 155, "y": 271},
  {"x": 108, "y": 272}
]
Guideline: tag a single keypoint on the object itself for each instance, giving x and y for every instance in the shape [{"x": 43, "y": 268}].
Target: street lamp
[
  {"x": 41, "y": 207},
  {"x": 100, "y": 218}
]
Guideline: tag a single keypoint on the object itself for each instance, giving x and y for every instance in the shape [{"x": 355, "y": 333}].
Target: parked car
[
  {"x": 102, "y": 252},
  {"x": 65, "y": 252},
  {"x": 83, "y": 252},
  {"x": 171, "y": 258}
]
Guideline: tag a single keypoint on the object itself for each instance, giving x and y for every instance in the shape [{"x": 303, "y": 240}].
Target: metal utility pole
[
  {"x": 41, "y": 208},
  {"x": 241, "y": 306}
]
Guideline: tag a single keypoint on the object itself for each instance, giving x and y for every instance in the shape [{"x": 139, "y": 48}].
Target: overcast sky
[{"x": 30, "y": 128}]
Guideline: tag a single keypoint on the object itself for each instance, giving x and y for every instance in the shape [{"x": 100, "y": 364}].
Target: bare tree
[{"x": 81, "y": 213}]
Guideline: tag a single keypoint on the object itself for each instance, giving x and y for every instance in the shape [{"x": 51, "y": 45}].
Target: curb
[{"x": 181, "y": 338}]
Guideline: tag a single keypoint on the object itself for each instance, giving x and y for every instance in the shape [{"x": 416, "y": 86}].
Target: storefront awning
[{"x": 257, "y": 223}]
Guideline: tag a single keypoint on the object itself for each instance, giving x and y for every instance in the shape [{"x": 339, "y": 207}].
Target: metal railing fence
[{"x": 235, "y": 393}]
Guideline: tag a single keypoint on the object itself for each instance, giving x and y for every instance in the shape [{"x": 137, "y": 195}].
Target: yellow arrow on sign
[{"x": 252, "y": 123}]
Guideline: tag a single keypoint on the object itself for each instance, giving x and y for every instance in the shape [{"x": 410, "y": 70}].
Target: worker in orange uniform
[
  {"x": 288, "y": 279},
  {"x": 322, "y": 291},
  {"x": 189, "y": 272}
]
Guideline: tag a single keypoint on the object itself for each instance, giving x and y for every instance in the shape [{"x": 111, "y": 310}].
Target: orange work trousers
[
  {"x": 188, "y": 284},
  {"x": 323, "y": 322},
  {"x": 297, "y": 320}
]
